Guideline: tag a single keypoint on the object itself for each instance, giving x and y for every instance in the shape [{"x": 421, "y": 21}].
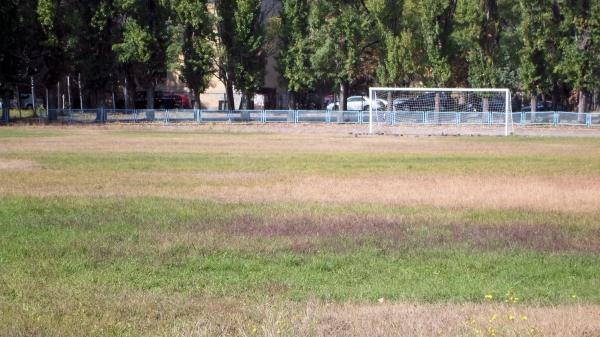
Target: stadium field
[{"x": 237, "y": 230}]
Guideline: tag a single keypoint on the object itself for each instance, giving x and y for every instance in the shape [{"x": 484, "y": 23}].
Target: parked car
[
  {"x": 26, "y": 101},
  {"x": 543, "y": 106},
  {"x": 160, "y": 101},
  {"x": 357, "y": 103},
  {"x": 180, "y": 101},
  {"x": 425, "y": 102}
]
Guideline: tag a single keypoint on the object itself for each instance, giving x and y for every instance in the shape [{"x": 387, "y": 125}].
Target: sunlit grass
[{"x": 148, "y": 231}]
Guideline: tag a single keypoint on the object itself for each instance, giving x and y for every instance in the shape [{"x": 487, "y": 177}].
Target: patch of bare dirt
[{"x": 17, "y": 164}]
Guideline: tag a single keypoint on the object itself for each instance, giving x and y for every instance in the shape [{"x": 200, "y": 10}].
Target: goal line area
[{"x": 440, "y": 106}]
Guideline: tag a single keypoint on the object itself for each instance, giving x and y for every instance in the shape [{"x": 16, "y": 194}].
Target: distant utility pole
[
  {"x": 80, "y": 95},
  {"x": 69, "y": 90},
  {"x": 58, "y": 95},
  {"x": 125, "y": 94},
  {"x": 33, "y": 97}
]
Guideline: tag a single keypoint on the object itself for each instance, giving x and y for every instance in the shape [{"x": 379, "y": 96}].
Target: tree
[
  {"x": 142, "y": 48},
  {"x": 192, "y": 33},
  {"x": 240, "y": 54},
  {"x": 398, "y": 63},
  {"x": 436, "y": 29},
  {"x": 478, "y": 34},
  {"x": 19, "y": 47},
  {"x": 579, "y": 64},
  {"x": 296, "y": 48},
  {"x": 534, "y": 29},
  {"x": 342, "y": 35},
  {"x": 79, "y": 38}
]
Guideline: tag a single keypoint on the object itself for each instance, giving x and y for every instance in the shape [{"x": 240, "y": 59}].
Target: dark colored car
[
  {"x": 475, "y": 103},
  {"x": 543, "y": 106},
  {"x": 160, "y": 101},
  {"x": 425, "y": 102}
]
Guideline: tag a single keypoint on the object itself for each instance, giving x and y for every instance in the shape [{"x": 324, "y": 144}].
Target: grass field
[{"x": 251, "y": 231}]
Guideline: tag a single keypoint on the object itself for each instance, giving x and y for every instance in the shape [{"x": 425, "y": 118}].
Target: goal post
[{"x": 440, "y": 106}]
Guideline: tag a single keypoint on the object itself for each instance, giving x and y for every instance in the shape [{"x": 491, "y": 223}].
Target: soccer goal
[{"x": 436, "y": 106}]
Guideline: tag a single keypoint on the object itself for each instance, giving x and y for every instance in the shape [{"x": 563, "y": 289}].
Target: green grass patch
[
  {"x": 324, "y": 164},
  {"x": 172, "y": 246},
  {"x": 9, "y": 132}
]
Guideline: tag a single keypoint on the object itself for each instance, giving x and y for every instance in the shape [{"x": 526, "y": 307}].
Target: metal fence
[{"x": 394, "y": 118}]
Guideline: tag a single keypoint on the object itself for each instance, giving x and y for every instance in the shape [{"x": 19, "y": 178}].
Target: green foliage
[
  {"x": 535, "y": 33},
  {"x": 342, "y": 32},
  {"x": 436, "y": 28},
  {"x": 532, "y": 46},
  {"x": 398, "y": 64},
  {"x": 20, "y": 42},
  {"x": 79, "y": 37},
  {"x": 142, "y": 47},
  {"x": 580, "y": 44},
  {"x": 240, "y": 50},
  {"x": 296, "y": 46},
  {"x": 136, "y": 43},
  {"x": 478, "y": 35},
  {"x": 192, "y": 33}
]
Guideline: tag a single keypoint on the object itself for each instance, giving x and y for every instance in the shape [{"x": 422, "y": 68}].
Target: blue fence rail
[{"x": 549, "y": 118}]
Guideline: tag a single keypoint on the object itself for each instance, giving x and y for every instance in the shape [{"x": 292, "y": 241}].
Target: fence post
[
  {"x": 556, "y": 118},
  {"x": 457, "y": 118},
  {"x": 588, "y": 120},
  {"x": 523, "y": 118}
]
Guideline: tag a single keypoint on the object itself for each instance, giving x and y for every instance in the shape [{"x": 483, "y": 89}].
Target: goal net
[{"x": 434, "y": 106}]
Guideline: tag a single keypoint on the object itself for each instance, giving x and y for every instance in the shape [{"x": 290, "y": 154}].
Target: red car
[{"x": 181, "y": 100}]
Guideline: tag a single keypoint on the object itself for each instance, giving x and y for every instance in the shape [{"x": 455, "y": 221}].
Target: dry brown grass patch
[{"x": 17, "y": 165}]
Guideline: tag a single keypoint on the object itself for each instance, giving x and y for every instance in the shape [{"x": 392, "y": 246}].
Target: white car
[{"x": 358, "y": 103}]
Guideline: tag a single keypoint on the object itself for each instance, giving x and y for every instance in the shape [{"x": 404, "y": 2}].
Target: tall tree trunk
[
  {"x": 18, "y": 100},
  {"x": 5, "y": 109},
  {"x": 343, "y": 101},
  {"x": 150, "y": 97},
  {"x": 250, "y": 102},
  {"x": 485, "y": 108},
  {"x": 291, "y": 106},
  {"x": 242, "y": 102},
  {"x": 555, "y": 97},
  {"x": 229, "y": 93},
  {"x": 582, "y": 104},
  {"x": 245, "y": 106},
  {"x": 197, "y": 99},
  {"x": 292, "y": 101},
  {"x": 437, "y": 107},
  {"x": 150, "y": 102},
  {"x": 533, "y": 105}
]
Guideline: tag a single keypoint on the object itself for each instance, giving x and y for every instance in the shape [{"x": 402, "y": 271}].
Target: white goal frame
[{"x": 506, "y": 92}]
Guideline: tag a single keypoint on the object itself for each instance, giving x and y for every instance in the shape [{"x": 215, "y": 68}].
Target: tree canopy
[{"x": 538, "y": 48}]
